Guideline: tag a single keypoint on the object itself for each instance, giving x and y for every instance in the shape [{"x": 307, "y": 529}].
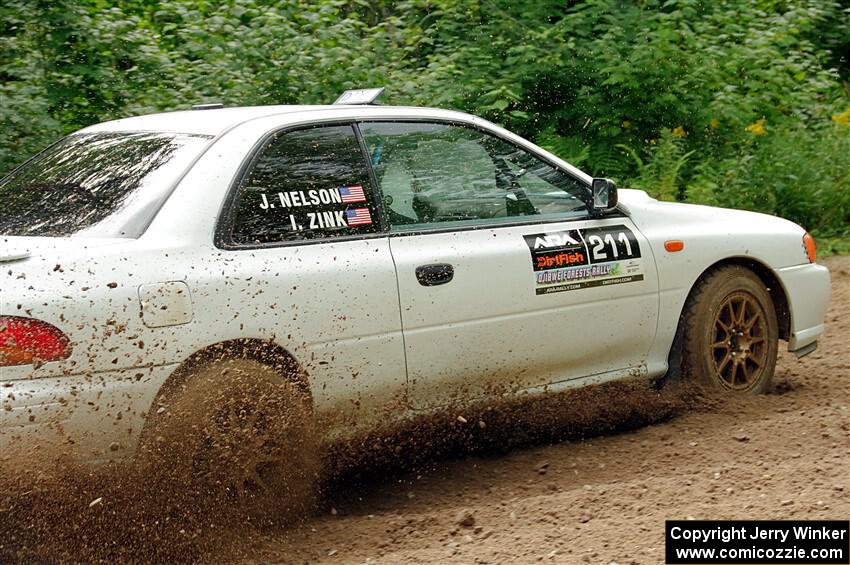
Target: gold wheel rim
[
  {"x": 237, "y": 437},
  {"x": 739, "y": 346}
]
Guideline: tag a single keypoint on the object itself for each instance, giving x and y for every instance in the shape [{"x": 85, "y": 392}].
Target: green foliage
[
  {"x": 659, "y": 174},
  {"x": 833, "y": 246},
  {"x": 728, "y": 102},
  {"x": 796, "y": 173}
]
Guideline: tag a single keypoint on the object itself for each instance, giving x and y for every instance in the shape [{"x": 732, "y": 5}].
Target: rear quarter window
[
  {"x": 305, "y": 184},
  {"x": 81, "y": 183}
]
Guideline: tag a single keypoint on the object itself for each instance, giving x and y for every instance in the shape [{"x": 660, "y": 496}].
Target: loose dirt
[
  {"x": 193, "y": 490},
  {"x": 588, "y": 477}
]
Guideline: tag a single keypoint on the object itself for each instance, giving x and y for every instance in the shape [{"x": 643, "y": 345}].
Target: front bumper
[
  {"x": 807, "y": 288},
  {"x": 88, "y": 417}
]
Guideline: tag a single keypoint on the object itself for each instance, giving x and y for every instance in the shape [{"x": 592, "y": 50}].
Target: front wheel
[{"x": 730, "y": 332}]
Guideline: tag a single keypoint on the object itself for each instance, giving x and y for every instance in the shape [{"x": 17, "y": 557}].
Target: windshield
[{"x": 96, "y": 184}]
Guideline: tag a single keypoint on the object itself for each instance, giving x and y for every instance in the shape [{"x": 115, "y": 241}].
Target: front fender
[{"x": 713, "y": 236}]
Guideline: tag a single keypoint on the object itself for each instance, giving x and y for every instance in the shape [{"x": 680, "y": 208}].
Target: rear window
[{"x": 98, "y": 184}]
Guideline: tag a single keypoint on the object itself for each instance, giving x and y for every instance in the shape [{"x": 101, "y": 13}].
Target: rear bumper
[
  {"x": 89, "y": 417},
  {"x": 807, "y": 288}
]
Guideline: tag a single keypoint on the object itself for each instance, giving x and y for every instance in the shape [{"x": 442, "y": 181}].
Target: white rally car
[{"x": 383, "y": 261}]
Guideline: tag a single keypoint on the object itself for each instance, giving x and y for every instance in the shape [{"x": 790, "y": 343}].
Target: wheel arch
[
  {"x": 775, "y": 290},
  {"x": 265, "y": 351}
]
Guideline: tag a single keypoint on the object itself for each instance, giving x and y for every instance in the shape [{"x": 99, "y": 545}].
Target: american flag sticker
[
  {"x": 351, "y": 194},
  {"x": 358, "y": 217}
]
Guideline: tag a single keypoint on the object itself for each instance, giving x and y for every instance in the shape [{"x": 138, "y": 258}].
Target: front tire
[{"x": 730, "y": 332}]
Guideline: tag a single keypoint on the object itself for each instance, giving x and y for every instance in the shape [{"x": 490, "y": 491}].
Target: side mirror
[{"x": 604, "y": 195}]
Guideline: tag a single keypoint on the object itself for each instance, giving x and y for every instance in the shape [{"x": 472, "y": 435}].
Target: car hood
[
  {"x": 717, "y": 232},
  {"x": 17, "y": 248},
  {"x": 642, "y": 207}
]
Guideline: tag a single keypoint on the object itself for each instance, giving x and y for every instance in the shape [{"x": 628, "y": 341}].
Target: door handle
[{"x": 436, "y": 274}]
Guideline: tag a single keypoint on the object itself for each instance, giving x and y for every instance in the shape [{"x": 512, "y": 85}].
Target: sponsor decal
[
  {"x": 549, "y": 261},
  {"x": 574, "y": 259},
  {"x": 559, "y": 239},
  {"x": 578, "y": 273}
]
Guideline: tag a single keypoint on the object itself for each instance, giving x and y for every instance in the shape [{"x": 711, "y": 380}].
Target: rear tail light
[
  {"x": 811, "y": 248},
  {"x": 26, "y": 340}
]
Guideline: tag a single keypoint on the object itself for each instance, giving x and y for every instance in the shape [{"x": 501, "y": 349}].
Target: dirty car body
[{"x": 403, "y": 259}]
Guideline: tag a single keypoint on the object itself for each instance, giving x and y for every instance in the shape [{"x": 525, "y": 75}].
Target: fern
[
  {"x": 659, "y": 171},
  {"x": 570, "y": 149}
]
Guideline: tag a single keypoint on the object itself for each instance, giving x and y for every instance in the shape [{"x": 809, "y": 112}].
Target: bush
[
  {"x": 795, "y": 172},
  {"x": 725, "y": 102}
]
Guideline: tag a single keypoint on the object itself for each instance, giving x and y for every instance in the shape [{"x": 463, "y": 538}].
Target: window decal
[
  {"x": 358, "y": 217},
  {"x": 352, "y": 194}
]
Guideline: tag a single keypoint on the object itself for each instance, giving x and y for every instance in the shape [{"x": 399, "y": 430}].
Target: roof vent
[
  {"x": 360, "y": 96},
  {"x": 212, "y": 106}
]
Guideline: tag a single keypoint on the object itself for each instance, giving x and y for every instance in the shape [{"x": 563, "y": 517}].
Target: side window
[
  {"x": 432, "y": 173},
  {"x": 306, "y": 184}
]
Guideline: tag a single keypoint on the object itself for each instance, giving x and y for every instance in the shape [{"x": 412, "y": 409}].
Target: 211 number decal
[{"x": 610, "y": 244}]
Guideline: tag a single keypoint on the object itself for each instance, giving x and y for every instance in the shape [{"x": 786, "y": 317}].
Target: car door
[
  {"x": 505, "y": 282},
  {"x": 306, "y": 262}
]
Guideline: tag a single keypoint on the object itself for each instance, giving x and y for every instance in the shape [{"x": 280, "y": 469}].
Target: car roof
[{"x": 218, "y": 120}]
